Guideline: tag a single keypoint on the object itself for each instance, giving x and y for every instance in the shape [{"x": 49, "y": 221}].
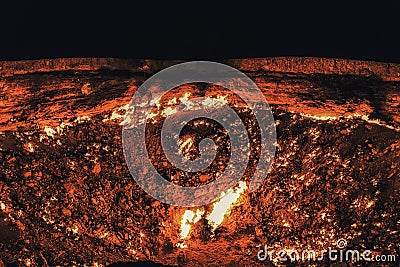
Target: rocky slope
[{"x": 67, "y": 197}]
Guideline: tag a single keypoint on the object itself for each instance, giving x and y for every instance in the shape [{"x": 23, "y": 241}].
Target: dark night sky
[{"x": 199, "y": 30}]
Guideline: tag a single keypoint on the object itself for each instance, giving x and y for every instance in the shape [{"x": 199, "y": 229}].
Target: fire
[
  {"x": 173, "y": 101},
  {"x": 215, "y": 102},
  {"x": 185, "y": 146},
  {"x": 188, "y": 218},
  {"x": 156, "y": 101},
  {"x": 222, "y": 208},
  {"x": 49, "y": 131},
  {"x": 185, "y": 98},
  {"x": 168, "y": 111}
]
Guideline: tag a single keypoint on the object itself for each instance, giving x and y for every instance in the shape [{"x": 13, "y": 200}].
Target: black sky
[{"x": 200, "y": 30}]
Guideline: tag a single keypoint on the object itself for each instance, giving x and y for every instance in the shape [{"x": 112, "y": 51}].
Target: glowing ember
[
  {"x": 215, "y": 102},
  {"x": 320, "y": 117},
  {"x": 185, "y": 101},
  {"x": 151, "y": 115},
  {"x": 172, "y": 101},
  {"x": 168, "y": 111},
  {"x": 156, "y": 101},
  {"x": 186, "y": 145},
  {"x": 224, "y": 205},
  {"x": 184, "y": 98},
  {"x": 49, "y": 131},
  {"x": 29, "y": 147},
  {"x": 188, "y": 218}
]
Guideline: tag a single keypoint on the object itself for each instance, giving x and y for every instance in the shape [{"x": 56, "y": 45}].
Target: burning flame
[
  {"x": 168, "y": 111},
  {"x": 188, "y": 218},
  {"x": 185, "y": 98},
  {"x": 156, "y": 101},
  {"x": 185, "y": 146},
  {"x": 219, "y": 101},
  {"x": 169, "y": 108},
  {"x": 173, "y": 101},
  {"x": 222, "y": 208}
]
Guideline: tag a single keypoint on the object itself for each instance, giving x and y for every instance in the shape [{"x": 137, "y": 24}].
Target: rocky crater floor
[{"x": 67, "y": 197}]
